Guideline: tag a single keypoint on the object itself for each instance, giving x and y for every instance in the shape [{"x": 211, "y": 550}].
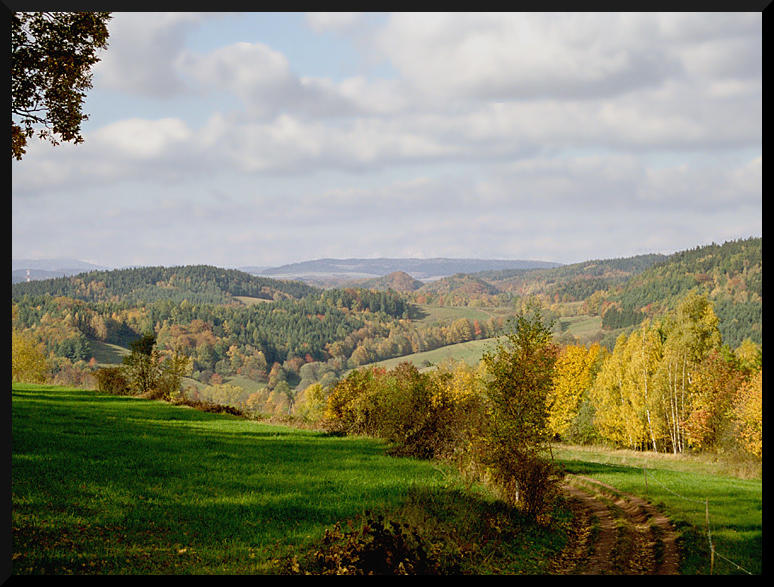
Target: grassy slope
[
  {"x": 104, "y": 484},
  {"x": 685, "y": 487},
  {"x": 470, "y": 352},
  {"x": 427, "y": 314},
  {"x": 132, "y": 483},
  {"x": 107, "y": 354}
]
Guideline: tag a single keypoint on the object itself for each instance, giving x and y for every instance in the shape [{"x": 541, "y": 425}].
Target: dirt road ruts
[{"x": 623, "y": 534}]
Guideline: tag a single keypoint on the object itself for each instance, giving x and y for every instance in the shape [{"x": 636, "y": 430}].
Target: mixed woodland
[{"x": 672, "y": 364}]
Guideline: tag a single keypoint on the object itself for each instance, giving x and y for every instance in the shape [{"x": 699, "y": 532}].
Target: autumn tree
[
  {"x": 648, "y": 388},
  {"x": 616, "y": 415},
  {"x": 574, "y": 372},
  {"x": 689, "y": 333},
  {"x": 518, "y": 379},
  {"x": 714, "y": 382},
  {"x": 141, "y": 365},
  {"x": 748, "y": 414},
  {"x": 28, "y": 358},
  {"x": 52, "y": 54}
]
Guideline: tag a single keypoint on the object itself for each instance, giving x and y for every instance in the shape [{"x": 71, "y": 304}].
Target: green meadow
[
  {"x": 428, "y": 315},
  {"x": 107, "y": 484},
  {"x": 470, "y": 352},
  {"x": 119, "y": 485},
  {"x": 709, "y": 500}
]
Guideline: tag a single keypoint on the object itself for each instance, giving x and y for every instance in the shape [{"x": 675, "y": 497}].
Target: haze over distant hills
[
  {"x": 421, "y": 269},
  {"x": 33, "y": 269},
  {"x": 316, "y": 271}
]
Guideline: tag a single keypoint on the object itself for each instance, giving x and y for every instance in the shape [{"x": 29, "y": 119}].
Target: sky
[{"x": 260, "y": 139}]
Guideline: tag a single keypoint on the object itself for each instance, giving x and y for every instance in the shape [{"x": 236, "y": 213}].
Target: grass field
[
  {"x": 249, "y": 301},
  {"x": 691, "y": 491},
  {"x": 107, "y": 354},
  {"x": 428, "y": 315},
  {"x": 583, "y": 326},
  {"x": 470, "y": 352},
  {"x": 119, "y": 485}
]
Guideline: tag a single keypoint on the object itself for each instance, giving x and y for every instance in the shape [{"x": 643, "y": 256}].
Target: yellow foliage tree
[
  {"x": 28, "y": 358},
  {"x": 615, "y": 416},
  {"x": 748, "y": 412},
  {"x": 310, "y": 404},
  {"x": 573, "y": 375}
]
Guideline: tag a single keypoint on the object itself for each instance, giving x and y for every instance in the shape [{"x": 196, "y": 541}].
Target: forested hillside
[
  {"x": 270, "y": 339},
  {"x": 194, "y": 283},
  {"x": 729, "y": 274},
  {"x": 397, "y": 280},
  {"x": 570, "y": 282}
]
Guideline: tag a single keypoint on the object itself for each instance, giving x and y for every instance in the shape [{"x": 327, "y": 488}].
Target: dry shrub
[{"x": 378, "y": 547}]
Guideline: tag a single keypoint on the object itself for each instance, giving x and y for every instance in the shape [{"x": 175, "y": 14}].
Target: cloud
[
  {"x": 333, "y": 21},
  {"x": 564, "y": 55},
  {"x": 142, "y": 139},
  {"x": 556, "y": 136},
  {"x": 142, "y": 52}
]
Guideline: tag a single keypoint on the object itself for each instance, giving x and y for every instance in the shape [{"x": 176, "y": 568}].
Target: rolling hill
[
  {"x": 422, "y": 269},
  {"x": 195, "y": 283},
  {"x": 399, "y": 281}
]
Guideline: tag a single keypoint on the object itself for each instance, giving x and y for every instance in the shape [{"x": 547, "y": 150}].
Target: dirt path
[{"x": 616, "y": 534}]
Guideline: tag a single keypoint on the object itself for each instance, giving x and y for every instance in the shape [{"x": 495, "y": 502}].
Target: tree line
[{"x": 669, "y": 386}]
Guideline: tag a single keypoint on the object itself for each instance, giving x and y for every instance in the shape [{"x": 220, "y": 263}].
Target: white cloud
[
  {"x": 143, "y": 48},
  {"x": 504, "y": 135},
  {"x": 142, "y": 139},
  {"x": 333, "y": 21}
]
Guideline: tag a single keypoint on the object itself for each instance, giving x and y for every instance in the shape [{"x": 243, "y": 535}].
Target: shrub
[
  {"x": 519, "y": 377},
  {"x": 350, "y": 406},
  {"x": 112, "y": 380},
  {"x": 420, "y": 414},
  {"x": 378, "y": 547}
]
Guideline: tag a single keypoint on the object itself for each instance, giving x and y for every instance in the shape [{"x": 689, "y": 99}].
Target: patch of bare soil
[{"x": 616, "y": 533}]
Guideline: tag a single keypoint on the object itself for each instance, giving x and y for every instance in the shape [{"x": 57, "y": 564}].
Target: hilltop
[
  {"x": 399, "y": 281},
  {"x": 194, "y": 283},
  {"x": 422, "y": 269}
]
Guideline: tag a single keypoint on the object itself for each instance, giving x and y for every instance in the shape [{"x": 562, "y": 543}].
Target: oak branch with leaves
[{"x": 52, "y": 54}]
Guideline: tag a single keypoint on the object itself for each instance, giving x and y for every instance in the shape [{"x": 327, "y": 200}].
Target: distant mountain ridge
[
  {"x": 36, "y": 269},
  {"x": 60, "y": 264},
  {"x": 313, "y": 270},
  {"x": 422, "y": 269},
  {"x": 194, "y": 283}
]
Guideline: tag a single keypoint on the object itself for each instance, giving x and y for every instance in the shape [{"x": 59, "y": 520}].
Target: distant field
[
  {"x": 107, "y": 354},
  {"x": 247, "y": 384},
  {"x": 470, "y": 352},
  {"x": 248, "y": 301},
  {"x": 428, "y": 315},
  {"x": 583, "y": 326}
]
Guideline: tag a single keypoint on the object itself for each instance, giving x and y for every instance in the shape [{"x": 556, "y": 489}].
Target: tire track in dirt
[{"x": 632, "y": 536}]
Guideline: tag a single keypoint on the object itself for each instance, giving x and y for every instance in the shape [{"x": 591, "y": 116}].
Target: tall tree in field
[
  {"x": 518, "y": 379},
  {"x": 52, "y": 54},
  {"x": 142, "y": 366}
]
